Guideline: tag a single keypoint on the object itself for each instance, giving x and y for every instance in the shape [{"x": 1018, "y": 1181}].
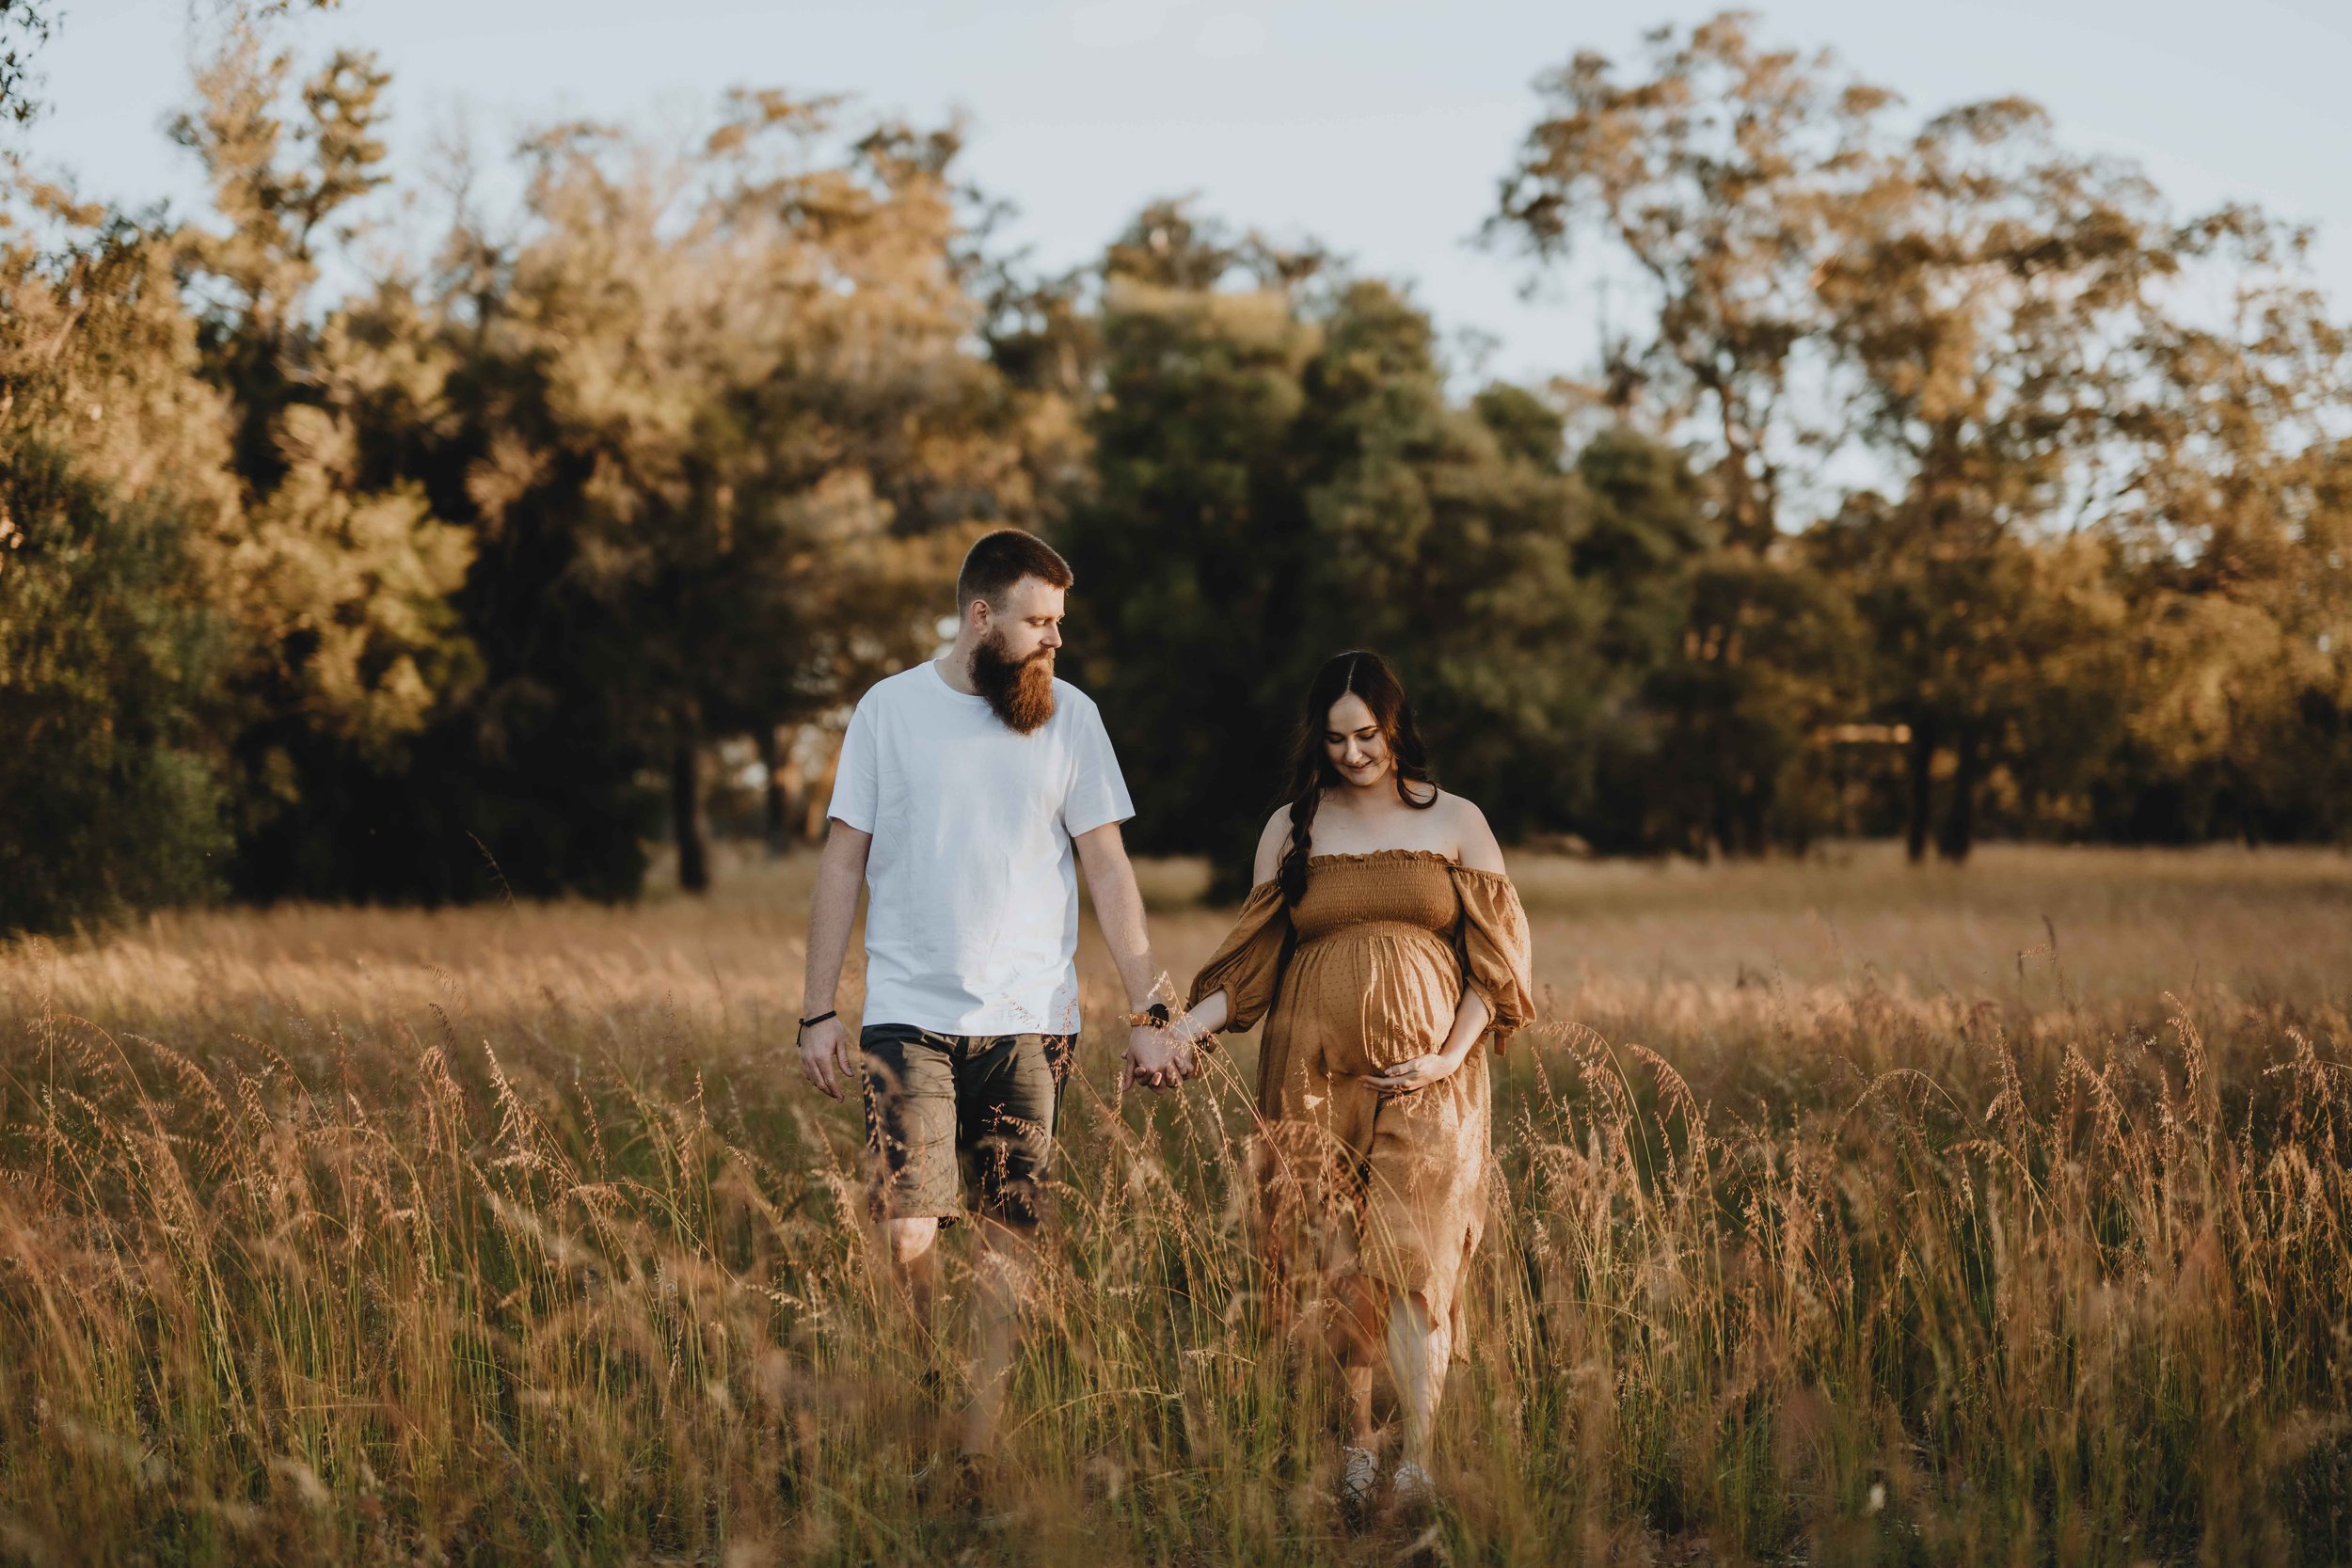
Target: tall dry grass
[{"x": 1847, "y": 1214}]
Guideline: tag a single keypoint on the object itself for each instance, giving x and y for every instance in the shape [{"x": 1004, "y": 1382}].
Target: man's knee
[{"x": 907, "y": 1242}]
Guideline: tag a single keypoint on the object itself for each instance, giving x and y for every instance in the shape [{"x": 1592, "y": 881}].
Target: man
[{"x": 965, "y": 787}]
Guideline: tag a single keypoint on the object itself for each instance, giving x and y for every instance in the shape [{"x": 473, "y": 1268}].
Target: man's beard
[{"x": 1020, "y": 690}]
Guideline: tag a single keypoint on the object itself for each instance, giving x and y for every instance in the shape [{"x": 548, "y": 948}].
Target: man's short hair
[{"x": 1001, "y": 559}]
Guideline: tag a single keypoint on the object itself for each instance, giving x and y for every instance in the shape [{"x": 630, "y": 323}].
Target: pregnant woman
[{"x": 1381, "y": 944}]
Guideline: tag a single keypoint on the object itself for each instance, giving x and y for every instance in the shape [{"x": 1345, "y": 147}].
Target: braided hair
[{"x": 1368, "y": 675}]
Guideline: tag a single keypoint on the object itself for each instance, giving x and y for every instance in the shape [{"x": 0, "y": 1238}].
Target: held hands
[{"x": 1156, "y": 1057}]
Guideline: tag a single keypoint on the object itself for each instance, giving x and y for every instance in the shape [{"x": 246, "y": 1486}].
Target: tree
[
  {"x": 1281, "y": 476},
  {"x": 1191, "y": 551},
  {"x": 2235, "y": 519},
  {"x": 338, "y": 571},
  {"x": 1452, "y": 545},
  {"x": 1985, "y": 284},
  {"x": 23, "y": 28},
  {"x": 1719, "y": 176},
  {"x": 112, "y": 487},
  {"x": 1988, "y": 325},
  {"x": 728, "y": 434}
]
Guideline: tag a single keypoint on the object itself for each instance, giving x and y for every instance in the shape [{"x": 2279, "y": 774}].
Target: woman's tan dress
[{"x": 1385, "y": 943}]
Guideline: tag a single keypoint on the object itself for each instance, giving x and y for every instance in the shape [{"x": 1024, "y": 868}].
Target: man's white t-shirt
[{"x": 972, "y": 887}]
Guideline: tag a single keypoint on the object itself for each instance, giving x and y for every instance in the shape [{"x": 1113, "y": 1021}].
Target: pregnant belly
[{"x": 1368, "y": 997}]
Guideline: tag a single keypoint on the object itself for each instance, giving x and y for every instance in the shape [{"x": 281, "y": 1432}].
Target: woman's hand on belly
[{"x": 1416, "y": 1072}]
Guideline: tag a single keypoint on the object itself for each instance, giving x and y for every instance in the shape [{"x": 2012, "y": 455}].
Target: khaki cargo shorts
[{"x": 948, "y": 1114}]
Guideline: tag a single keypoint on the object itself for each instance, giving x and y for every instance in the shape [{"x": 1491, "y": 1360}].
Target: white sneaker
[
  {"x": 1359, "y": 1478},
  {"x": 1411, "y": 1486}
]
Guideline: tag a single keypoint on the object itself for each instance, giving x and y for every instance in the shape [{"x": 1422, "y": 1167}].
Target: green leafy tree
[
  {"x": 2236, "y": 523},
  {"x": 1452, "y": 544},
  {"x": 347, "y": 646},
  {"x": 1994, "y": 327},
  {"x": 728, "y": 434},
  {"x": 114, "y": 494},
  {"x": 1281, "y": 475},
  {"x": 1192, "y": 550},
  {"x": 1719, "y": 171},
  {"x": 1986, "y": 281}
]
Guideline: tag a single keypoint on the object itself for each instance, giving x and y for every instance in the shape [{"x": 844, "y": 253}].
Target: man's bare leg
[
  {"x": 1003, "y": 1270},
  {"x": 911, "y": 1259}
]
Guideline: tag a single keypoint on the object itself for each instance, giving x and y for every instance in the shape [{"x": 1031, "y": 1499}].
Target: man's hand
[
  {"x": 825, "y": 1056},
  {"x": 1156, "y": 1058},
  {"x": 824, "y": 1045}
]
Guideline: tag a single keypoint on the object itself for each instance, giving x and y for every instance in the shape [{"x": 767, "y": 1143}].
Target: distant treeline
[{"x": 1937, "y": 481}]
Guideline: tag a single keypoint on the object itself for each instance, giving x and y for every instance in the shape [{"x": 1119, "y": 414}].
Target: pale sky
[{"x": 1380, "y": 127}]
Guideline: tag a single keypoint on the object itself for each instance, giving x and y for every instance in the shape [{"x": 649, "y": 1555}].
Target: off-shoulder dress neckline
[{"x": 1440, "y": 856}]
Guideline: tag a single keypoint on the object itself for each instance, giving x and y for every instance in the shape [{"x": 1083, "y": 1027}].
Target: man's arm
[
  {"x": 1153, "y": 1055},
  {"x": 840, "y": 870}
]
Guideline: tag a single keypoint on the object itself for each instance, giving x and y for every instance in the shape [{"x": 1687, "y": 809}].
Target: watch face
[{"x": 1158, "y": 1010}]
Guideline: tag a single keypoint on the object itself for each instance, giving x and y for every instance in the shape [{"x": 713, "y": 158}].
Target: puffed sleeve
[
  {"x": 1496, "y": 961},
  {"x": 1247, "y": 963}
]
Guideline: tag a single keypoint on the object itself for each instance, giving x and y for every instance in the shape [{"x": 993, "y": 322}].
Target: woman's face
[{"x": 1353, "y": 741}]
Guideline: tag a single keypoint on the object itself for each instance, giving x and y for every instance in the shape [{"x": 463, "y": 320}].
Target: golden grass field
[{"x": 1849, "y": 1214}]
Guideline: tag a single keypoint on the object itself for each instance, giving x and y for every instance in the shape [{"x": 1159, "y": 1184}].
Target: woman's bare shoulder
[
  {"x": 1271, "y": 843},
  {"x": 1474, "y": 842}
]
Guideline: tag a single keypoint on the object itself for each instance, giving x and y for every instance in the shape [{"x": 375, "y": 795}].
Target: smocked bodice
[{"x": 1387, "y": 887}]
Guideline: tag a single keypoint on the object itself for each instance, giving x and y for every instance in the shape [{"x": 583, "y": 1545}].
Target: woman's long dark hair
[{"x": 1368, "y": 675}]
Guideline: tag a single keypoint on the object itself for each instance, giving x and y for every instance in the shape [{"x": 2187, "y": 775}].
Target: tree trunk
[
  {"x": 686, "y": 815},
  {"x": 1756, "y": 809},
  {"x": 1922, "y": 792},
  {"x": 1959, "y": 816},
  {"x": 770, "y": 765}
]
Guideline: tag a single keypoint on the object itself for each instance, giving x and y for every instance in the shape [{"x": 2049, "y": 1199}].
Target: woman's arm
[
  {"x": 1207, "y": 1016},
  {"x": 1470, "y": 1022}
]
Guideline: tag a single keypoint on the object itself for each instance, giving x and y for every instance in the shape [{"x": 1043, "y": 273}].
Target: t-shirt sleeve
[
  {"x": 857, "y": 777},
  {"x": 1098, "y": 792}
]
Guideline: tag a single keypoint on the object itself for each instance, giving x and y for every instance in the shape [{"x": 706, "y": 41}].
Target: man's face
[
  {"x": 1029, "y": 620},
  {"x": 1012, "y": 664}
]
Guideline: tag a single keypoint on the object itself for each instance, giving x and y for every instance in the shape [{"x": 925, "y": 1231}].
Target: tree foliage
[
  {"x": 1281, "y": 475},
  {"x": 115, "y": 501},
  {"x": 1942, "y": 481},
  {"x": 2004, "y": 335}
]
